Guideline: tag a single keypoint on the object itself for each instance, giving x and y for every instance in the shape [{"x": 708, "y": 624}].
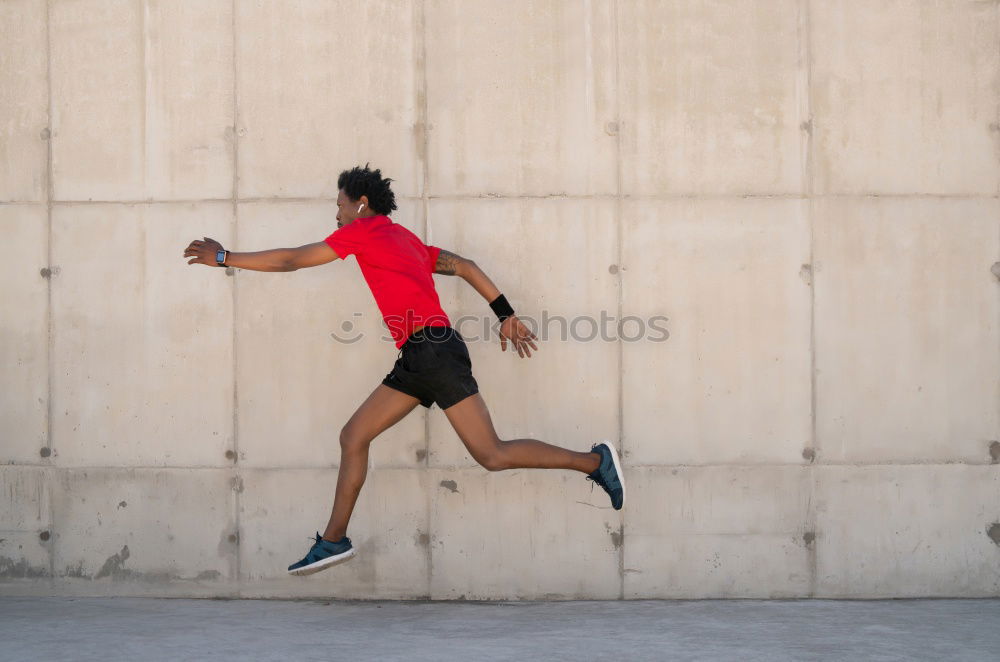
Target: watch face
[{"x": 220, "y": 256}]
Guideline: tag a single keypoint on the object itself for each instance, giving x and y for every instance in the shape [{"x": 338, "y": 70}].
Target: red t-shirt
[{"x": 397, "y": 267}]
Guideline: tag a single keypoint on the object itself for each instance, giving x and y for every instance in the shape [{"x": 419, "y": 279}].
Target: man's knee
[
  {"x": 351, "y": 439},
  {"x": 494, "y": 459}
]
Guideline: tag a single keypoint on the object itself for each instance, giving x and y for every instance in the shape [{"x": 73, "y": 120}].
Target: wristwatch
[{"x": 220, "y": 257}]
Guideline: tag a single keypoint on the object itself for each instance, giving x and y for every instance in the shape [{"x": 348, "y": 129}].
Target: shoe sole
[
  {"x": 323, "y": 564},
  {"x": 618, "y": 468}
]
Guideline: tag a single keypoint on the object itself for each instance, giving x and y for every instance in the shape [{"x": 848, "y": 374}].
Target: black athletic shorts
[{"x": 434, "y": 366}]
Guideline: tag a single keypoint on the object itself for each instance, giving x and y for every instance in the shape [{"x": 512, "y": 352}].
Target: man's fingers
[{"x": 527, "y": 339}]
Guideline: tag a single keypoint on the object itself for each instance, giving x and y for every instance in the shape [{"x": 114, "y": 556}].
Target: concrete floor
[{"x": 167, "y": 629}]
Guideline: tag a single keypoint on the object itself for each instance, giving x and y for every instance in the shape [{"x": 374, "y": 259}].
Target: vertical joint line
[
  {"x": 143, "y": 84},
  {"x": 806, "y": 30},
  {"x": 235, "y": 284},
  {"x": 806, "y": 36},
  {"x": 619, "y": 202},
  {"x": 420, "y": 36},
  {"x": 50, "y": 341}
]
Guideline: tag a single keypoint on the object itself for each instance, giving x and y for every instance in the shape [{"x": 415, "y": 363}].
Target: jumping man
[{"x": 433, "y": 364}]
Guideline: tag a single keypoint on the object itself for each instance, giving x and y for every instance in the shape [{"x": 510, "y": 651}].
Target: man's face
[{"x": 347, "y": 209}]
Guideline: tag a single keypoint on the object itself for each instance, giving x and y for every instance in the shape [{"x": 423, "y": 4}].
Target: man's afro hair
[{"x": 359, "y": 181}]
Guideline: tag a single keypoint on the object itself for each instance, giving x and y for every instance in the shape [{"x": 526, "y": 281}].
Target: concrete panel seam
[
  {"x": 236, "y": 110},
  {"x": 145, "y": 79},
  {"x": 819, "y": 463},
  {"x": 805, "y": 28},
  {"x": 402, "y": 467},
  {"x": 423, "y": 153},
  {"x": 808, "y": 126},
  {"x": 21, "y": 201},
  {"x": 142, "y": 469},
  {"x": 66, "y": 202},
  {"x": 238, "y": 579},
  {"x": 620, "y": 275},
  {"x": 50, "y": 345}
]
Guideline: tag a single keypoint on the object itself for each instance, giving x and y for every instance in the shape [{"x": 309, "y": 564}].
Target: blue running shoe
[
  {"x": 609, "y": 474},
  {"x": 322, "y": 555}
]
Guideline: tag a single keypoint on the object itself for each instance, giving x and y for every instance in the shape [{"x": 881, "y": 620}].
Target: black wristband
[{"x": 501, "y": 307}]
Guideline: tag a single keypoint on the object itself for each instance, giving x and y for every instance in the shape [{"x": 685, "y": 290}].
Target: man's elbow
[
  {"x": 464, "y": 267},
  {"x": 290, "y": 262}
]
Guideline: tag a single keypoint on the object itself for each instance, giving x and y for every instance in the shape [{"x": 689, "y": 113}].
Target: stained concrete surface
[
  {"x": 807, "y": 191},
  {"x": 162, "y": 629}
]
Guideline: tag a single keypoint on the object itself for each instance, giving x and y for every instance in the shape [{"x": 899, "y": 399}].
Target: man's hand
[
  {"x": 520, "y": 337},
  {"x": 203, "y": 252}
]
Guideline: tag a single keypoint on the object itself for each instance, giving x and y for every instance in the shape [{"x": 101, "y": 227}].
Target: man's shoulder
[
  {"x": 388, "y": 228},
  {"x": 355, "y": 229}
]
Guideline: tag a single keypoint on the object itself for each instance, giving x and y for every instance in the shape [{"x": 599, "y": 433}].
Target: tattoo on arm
[{"x": 447, "y": 263}]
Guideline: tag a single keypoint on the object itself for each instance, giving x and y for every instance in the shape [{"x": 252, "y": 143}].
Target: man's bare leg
[
  {"x": 384, "y": 408},
  {"x": 471, "y": 420}
]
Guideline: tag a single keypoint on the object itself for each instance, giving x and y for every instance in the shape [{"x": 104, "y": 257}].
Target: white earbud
[{"x": 362, "y": 206}]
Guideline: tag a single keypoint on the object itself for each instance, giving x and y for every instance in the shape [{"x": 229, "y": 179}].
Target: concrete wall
[{"x": 808, "y": 190}]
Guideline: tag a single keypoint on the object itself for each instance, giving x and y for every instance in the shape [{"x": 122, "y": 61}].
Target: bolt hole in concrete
[
  {"x": 44, "y": 535},
  {"x": 994, "y": 532},
  {"x": 805, "y": 273},
  {"x": 45, "y": 451}
]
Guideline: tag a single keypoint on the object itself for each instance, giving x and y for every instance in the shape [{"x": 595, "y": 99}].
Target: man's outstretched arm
[
  {"x": 277, "y": 259},
  {"x": 512, "y": 329}
]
